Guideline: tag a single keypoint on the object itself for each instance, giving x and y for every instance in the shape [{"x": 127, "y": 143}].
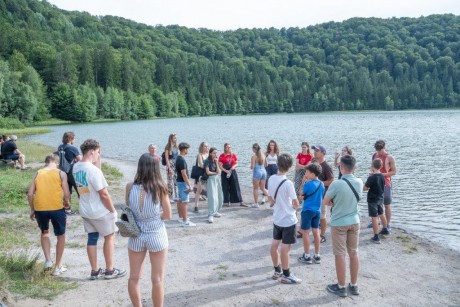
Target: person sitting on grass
[
  {"x": 283, "y": 198},
  {"x": 375, "y": 185},
  {"x": 312, "y": 192},
  {"x": 45, "y": 197},
  {"x": 10, "y": 151}
]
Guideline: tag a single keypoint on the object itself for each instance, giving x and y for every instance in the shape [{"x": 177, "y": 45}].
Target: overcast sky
[{"x": 234, "y": 14}]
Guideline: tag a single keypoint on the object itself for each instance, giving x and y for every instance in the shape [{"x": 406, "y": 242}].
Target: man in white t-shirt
[
  {"x": 283, "y": 198},
  {"x": 96, "y": 209}
]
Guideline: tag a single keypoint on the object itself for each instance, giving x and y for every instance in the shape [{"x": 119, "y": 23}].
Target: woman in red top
[
  {"x": 228, "y": 161},
  {"x": 302, "y": 160}
]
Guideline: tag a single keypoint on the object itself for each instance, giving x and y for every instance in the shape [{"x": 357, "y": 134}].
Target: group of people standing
[{"x": 150, "y": 198}]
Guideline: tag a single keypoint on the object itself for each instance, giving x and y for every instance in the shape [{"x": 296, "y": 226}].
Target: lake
[{"x": 425, "y": 144}]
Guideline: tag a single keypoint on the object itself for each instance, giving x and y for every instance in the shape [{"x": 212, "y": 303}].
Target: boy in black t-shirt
[
  {"x": 183, "y": 185},
  {"x": 375, "y": 184}
]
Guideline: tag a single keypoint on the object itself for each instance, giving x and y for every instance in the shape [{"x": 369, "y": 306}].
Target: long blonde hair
[{"x": 259, "y": 154}]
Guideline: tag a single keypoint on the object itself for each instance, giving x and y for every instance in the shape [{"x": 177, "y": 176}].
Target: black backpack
[{"x": 64, "y": 165}]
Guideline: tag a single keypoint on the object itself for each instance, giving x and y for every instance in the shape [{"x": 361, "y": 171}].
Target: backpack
[
  {"x": 64, "y": 165},
  {"x": 163, "y": 159}
]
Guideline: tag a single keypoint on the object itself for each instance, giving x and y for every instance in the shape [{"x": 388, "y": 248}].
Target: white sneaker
[
  {"x": 58, "y": 271},
  {"x": 188, "y": 224},
  {"x": 48, "y": 264},
  {"x": 217, "y": 214},
  {"x": 211, "y": 219},
  {"x": 255, "y": 206},
  {"x": 180, "y": 221}
]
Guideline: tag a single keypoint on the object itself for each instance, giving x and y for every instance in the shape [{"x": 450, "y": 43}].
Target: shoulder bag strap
[
  {"x": 352, "y": 188},
  {"x": 276, "y": 193},
  {"x": 316, "y": 190}
]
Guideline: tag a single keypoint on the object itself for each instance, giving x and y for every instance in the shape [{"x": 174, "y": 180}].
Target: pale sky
[{"x": 234, "y": 14}]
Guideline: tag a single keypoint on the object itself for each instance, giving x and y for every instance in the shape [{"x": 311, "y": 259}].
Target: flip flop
[{"x": 323, "y": 239}]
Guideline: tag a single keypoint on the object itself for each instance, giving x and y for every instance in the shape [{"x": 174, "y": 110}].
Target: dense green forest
[{"x": 74, "y": 66}]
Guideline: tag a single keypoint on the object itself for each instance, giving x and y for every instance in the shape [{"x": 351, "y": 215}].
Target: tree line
[{"x": 74, "y": 66}]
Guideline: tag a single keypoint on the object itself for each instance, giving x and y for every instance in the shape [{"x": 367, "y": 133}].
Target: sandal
[
  {"x": 243, "y": 205},
  {"x": 323, "y": 238},
  {"x": 299, "y": 234}
]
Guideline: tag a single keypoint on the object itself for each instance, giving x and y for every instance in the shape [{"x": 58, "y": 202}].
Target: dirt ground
[{"x": 227, "y": 263}]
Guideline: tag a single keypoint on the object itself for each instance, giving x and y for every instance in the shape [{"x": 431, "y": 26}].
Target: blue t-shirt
[{"x": 313, "y": 202}]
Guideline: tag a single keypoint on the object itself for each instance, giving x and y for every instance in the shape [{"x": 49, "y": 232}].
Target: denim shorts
[
  {"x": 310, "y": 219},
  {"x": 183, "y": 191},
  {"x": 259, "y": 172},
  {"x": 57, "y": 217}
]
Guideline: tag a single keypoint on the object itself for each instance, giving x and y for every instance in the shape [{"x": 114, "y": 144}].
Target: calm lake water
[{"x": 425, "y": 144}]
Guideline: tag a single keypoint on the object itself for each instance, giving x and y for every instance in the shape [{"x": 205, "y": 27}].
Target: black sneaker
[
  {"x": 304, "y": 259},
  {"x": 317, "y": 259},
  {"x": 384, "y": 232},
  {"x": 375, "y": 239},
  {"x": 114, "y": 273},
  {"x": 334, "y": 288},
  {"x": 353, "y": 289},
  {"x": 196, "y": 210},
  {"x": 96, "y": 274}
]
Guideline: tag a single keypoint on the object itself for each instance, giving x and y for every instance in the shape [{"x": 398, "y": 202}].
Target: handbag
[
  {"x": 197, "y": 172},
  {"x": 127, "y": 224}
]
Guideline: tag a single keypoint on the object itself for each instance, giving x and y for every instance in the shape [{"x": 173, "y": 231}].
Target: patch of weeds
[
  {"x": 221, "y": 271},
  {"x": 412, "y": 249},
  {"x": 404, "y": 238},
  {"x": 25, "y": 275},
  {"x": 112, "y": 174},
  {"x": 222, "y": 266},
  {"x": 276, "y": 301}
]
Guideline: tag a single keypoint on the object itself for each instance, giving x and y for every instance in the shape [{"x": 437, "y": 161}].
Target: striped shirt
[{"x": 153, "y": 230}]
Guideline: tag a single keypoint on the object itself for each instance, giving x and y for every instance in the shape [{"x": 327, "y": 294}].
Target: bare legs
[
  {"x": 283, "y": 254},
  {"x": 158, "y": 267},
  {"x": 256, "y": 185},
  {"x": 108, "y": 250}
]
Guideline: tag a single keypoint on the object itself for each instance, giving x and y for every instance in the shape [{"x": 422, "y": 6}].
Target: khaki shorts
[
  {"x": 104, "y": 225},
  {"x": 345, "y": 239}
]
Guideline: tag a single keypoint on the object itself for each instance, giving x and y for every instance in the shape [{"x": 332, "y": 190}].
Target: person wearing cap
[
  {"x": 388, "y": 170},
  {"x": 10, "y": 151},
  {"x": 326, "y": 176}
]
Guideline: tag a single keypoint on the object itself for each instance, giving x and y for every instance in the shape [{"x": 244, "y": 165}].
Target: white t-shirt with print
[
  {"x": 284, "y": 214},
  {"x": 90, "y": 180}
]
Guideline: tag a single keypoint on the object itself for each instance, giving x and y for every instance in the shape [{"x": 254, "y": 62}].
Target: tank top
[
  {"x": 48, "y": 190},
  {"x": 272, "y": 159},
  {"x": 383, "y": 169}
]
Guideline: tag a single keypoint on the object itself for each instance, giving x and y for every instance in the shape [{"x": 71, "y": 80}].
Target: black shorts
[
  {"x": 287, "y": 235},
  {"x": 58, "y": 219},
  {"x": 375, "y": 209}
]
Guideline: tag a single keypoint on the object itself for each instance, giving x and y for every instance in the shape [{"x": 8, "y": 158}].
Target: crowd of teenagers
[{"x": 313, "y": 190}]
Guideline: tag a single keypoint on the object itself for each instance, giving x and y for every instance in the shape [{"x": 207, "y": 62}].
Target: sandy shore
[{"x": 228, "y": 264}]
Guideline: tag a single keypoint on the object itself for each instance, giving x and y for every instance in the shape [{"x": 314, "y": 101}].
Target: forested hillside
[{"x": 75, "y": 66}]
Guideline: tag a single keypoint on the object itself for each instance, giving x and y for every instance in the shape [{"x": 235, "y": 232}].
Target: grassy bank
[{"x": 21, "y": 267}]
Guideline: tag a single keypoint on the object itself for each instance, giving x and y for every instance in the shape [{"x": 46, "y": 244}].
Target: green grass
[
  {"x": 52, "y": 122},
  {"x": 20, "y": 270},
  {"x": 23, "y": 274},
  {"x": 25, "y": 131},
  {"x": 111, "y": 174},
  {"x": 15, "y": 184}
]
